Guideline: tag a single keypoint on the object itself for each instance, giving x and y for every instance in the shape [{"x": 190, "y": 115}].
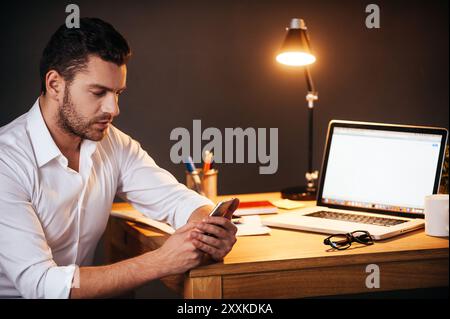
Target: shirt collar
[
  {"x": 88, "y": 147},
  {"x": 44, "y": 146}
]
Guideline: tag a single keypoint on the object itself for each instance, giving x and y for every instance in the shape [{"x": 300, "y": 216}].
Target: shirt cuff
[
  {"x": 188, "y": 206},
  {"x": 58, "y": 282}
]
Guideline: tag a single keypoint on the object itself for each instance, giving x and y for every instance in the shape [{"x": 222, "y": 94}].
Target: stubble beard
[{"x": 75, "y": 124}]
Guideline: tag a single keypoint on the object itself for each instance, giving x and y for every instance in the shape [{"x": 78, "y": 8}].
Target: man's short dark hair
[{"x": 68, "y": 50}]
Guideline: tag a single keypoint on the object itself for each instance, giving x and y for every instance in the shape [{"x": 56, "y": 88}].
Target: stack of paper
[{"x": 251, "y": 225}]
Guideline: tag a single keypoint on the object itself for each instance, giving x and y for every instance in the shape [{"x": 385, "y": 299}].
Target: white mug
[{"x": 436, "y": 215}]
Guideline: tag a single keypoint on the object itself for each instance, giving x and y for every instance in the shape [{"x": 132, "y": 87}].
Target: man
[{"x": 62, "y": 163}]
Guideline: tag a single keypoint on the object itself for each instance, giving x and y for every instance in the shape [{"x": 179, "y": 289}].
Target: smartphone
[{"x": 225, "y": 208}]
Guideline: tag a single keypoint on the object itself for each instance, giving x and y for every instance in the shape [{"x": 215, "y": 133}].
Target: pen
[
  {"x": 207, "y": 159},
  {"x": 191, "y": 169}
]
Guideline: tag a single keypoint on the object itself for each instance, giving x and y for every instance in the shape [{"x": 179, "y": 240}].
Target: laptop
[{"x": 374, "y": 177}]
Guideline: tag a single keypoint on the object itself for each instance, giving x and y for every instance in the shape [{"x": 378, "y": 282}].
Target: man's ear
[{"x": 55, "y": 85}]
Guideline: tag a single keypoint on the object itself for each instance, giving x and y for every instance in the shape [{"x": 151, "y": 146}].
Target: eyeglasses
[{"x": 344, "y": 241}]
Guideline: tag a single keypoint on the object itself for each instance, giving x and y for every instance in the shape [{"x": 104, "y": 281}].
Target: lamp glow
[
  {"x": 295, "y": 58},
  {"x": 295, "y": 50}
]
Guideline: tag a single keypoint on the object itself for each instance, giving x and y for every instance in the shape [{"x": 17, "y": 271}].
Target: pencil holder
[{"x": 208, "y": 182}]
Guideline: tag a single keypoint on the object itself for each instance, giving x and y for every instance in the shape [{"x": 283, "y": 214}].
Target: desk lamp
[{"x": 296, "y": 52}]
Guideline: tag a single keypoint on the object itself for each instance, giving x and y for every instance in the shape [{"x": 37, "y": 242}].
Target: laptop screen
[{"x": 381, "y": 169}]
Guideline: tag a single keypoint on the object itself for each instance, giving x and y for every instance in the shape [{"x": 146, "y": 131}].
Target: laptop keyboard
[{"x": 363, "y": 219}]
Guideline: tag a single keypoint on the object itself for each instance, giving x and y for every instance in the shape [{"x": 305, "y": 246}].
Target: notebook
[{"x": 255, "y": 208}]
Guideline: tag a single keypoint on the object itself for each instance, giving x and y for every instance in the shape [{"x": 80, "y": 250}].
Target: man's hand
[
  {"x": 223, "y": 239},
  {"x": 176, "y": 256},
  {"x": 179, "y": 253}
]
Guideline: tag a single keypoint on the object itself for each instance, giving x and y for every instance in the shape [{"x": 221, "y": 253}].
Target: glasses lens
[
  {"x": 339, "y": 241},
  {"x": 362, "y": 237}
]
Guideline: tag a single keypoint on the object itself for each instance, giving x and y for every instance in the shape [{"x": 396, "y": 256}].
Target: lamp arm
[
  {"x": 311, "y": 96},
  {"x": 309, "y": 81}
]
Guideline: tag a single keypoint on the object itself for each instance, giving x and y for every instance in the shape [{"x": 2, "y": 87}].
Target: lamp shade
[{"x": 295, "y": 50}]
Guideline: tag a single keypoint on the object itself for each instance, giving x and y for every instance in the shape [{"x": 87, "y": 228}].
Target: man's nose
[{"x": 111, "y": 105}]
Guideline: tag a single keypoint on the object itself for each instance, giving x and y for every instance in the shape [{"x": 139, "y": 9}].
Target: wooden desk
[{"x": 293, "y": 264}]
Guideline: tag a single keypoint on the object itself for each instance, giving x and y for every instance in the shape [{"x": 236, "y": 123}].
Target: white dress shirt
[{"x": 52, "y": 217}]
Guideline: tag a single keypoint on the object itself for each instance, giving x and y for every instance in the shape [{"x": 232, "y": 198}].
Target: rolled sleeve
[
  {"x": 150, "y": 189},
  {"x": 26, "y": 260},
  {"x": 187, "y": 206},
  {"x": 58, "y": 282}
]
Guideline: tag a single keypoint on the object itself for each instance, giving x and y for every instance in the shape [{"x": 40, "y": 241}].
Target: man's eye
[{"x": 101, "y": 93}]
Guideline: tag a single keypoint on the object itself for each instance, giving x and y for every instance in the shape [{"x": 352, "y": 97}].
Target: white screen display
[{"x": 381, "y": 169}]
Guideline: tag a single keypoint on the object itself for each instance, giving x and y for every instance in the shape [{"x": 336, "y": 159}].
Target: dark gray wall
[{"x": 214, "y": 61}]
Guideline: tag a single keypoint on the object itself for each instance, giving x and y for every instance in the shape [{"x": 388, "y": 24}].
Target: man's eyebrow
[{"x": 102, "y": 87}]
